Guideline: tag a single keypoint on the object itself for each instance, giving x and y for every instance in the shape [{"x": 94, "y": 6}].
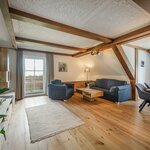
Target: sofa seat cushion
[{"x": 106, "y": 91}]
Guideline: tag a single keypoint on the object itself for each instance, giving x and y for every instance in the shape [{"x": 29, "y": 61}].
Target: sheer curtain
[
  {"x": 49, "y": 69},
  {"x": 19, "y": 76}
]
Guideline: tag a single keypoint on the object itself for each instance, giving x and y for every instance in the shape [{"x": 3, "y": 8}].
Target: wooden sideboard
[{"x": 79, "y": 84}]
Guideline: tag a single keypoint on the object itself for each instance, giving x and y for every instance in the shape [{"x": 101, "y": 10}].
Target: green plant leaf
[
  {"x": 3, "y": 133},
  {"x": 2, "y": 116}
]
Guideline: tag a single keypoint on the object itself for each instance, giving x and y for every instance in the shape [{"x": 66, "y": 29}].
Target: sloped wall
[
  {"x": 105, "y": 65},
  {"x": 130, "y": 53}
]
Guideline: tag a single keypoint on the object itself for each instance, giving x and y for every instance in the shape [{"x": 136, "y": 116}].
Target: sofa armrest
[
  {"x": 70, "y": 85},
  {"x": 122, "y": 92},
  {"x": 113, "y": 89},
  {"x": 57, "y": 91},
  {"x": 123, "y": 87}
]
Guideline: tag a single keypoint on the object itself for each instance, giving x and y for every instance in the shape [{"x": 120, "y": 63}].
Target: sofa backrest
[
  {"x": 108, "y": 83},
  {"x": 56, "y": 81},
  {"x": 102, "y": 83}
]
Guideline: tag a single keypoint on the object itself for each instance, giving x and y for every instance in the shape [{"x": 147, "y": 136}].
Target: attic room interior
[{"x": 74, "y": 74}]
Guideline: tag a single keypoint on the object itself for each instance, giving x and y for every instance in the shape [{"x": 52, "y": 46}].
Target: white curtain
[{"x": 49, "y": 69}]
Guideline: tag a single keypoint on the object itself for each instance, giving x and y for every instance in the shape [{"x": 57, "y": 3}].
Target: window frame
[{"x": 44, "y": 74}]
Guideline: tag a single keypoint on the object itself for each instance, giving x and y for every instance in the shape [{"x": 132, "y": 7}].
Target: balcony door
[{"x": 34, "y": 76}]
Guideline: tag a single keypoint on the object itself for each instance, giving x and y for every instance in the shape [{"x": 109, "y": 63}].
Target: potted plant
[
  {"x": 2, "y": 118},
  {"x": 2, "y": 131}
]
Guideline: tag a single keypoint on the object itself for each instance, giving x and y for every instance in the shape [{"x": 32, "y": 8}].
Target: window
[{"x": 34, "y": 76}]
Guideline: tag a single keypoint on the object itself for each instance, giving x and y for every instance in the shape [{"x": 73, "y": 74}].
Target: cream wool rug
[{"x": 50, "y": 119}]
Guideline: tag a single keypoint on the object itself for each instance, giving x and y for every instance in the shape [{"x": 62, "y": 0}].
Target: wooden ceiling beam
[
  {"x": 123, "y": 62},
  {"x": 54, "y": 53},
  {"x": 8, "y": 22},
  {"x": 81, "y": 54},
  {"x": 26, "y": 17},
  {"x": 21, "y": 39},
  {"x": 126, "y": 66},
  {"x": 138, "y": 34},
  {"x": 137, "y": 47}
]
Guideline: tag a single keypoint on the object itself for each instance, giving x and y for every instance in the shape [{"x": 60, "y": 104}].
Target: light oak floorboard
[{"x": 108, "y": 126}]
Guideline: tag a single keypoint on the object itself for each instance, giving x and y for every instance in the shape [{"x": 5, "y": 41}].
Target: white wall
[
  {"x": 101, "y": 66},
  {"x": 143, "y": 72},
  {"x": 130, "y": 53}
]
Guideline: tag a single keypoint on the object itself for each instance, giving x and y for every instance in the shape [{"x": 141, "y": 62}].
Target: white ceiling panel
[
  {"x": 40, "y": 47},
  {"x": 145, "y": 43},
  {"x": 110, "y": 18},
  {"x": 36, "y": 32},
  {"x": 5, "y": 40}
]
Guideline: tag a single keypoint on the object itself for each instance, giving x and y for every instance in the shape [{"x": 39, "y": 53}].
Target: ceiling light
[{"x": 95, "y": 52}]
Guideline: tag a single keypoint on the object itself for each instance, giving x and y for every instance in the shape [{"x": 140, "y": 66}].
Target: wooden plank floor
[{"x": 108, "y": 126}]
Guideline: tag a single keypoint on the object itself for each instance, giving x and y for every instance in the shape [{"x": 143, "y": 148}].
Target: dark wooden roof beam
[
  {"x": 27, "y": 17},
  {"x": 21, "y": 39},
  {"x": 137, "y": 34},
  {"x": 8, "y": 22}
]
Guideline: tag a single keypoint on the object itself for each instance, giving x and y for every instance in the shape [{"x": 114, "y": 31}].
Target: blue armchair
[
  {"x": 59, "y": 91},
  {"x": 143, "y": 94}
]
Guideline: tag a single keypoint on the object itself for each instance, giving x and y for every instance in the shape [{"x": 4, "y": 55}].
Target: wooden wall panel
[
  {"x": 3, "y": 59},
  {"x": 3, "y": 68}
]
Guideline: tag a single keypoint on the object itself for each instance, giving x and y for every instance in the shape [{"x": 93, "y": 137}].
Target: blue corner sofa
[
  {"x": 59, "y": 91},
  {"x": 114, "y": 90}
]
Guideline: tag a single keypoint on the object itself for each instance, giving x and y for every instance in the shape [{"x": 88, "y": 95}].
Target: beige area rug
[{"x": 50, "y": 119}]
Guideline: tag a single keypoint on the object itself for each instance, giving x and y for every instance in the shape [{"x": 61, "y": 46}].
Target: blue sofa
[
  {"x": 59, "y": 91},
  {"x": 114, "y": 90}
]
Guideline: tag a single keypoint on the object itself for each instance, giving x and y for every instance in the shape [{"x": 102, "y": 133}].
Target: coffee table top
[{"x": 92, "y": 91}]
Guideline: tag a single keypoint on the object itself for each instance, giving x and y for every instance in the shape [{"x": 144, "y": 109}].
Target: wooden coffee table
[{"x": 90, "y": 94}]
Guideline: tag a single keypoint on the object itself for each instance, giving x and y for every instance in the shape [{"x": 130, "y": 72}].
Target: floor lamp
[{"x": 87, "y": 70}]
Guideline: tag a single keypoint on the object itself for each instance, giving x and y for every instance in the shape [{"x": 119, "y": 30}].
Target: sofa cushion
[
  {"x": 56, "y": 81},
  {"x": 101, "y": 83},
  {"x": 108, "y": 83},
  {"x": 112, "y": 83},
  {"x": 106, "y": 91}
]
